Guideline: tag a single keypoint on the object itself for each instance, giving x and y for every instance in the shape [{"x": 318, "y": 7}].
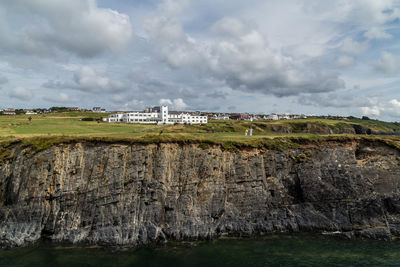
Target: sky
[{"x": 338, "y": 57}]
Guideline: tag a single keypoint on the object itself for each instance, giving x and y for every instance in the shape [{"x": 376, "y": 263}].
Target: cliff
[{"x": 132, "y": 194}]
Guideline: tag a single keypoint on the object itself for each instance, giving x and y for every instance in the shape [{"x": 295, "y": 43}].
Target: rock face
[{"x": 126, "y": 195}]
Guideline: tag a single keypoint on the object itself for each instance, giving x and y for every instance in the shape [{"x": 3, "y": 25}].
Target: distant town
[{"x": 161, "y": 114}]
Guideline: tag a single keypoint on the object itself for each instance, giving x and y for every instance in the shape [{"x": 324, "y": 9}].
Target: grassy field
[{"x": 68, "y": 126}]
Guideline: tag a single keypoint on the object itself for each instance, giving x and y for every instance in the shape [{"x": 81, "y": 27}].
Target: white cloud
[
  {"x": 60, "y": 98},
  {"x": 177, "y": 104},
  {"x": 77, "y": 26},
  {"x": 395, "y": 103},
  {"x": 355, "y": 12},
  {"x": 87, "y": 79},
  {"x": 344, "y": 61},
  {"x": 390, "y": 108},
  {"x": 377, "y": 33},
  {"x": 118, "y": 98},
  {"x": 353, "y": 47},
  {"x": 387, "y": 63},
  {"x": 243, "y": 60},
  {"x": 132, "y": 104},
  {"x": 375, "y": 12},
  {"x": 21, "y": 94},
  {"x": 230, "y": 27},
  {"x": 173, "y": 7},
  {"x": 165, "y": 102},
  {"x": 176, "y": 47},
  {"x": 371, "y": 111},
  {"x": 246, "y": 48}
]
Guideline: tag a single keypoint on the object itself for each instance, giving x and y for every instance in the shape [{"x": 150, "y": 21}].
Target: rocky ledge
[{"x": 134, "y": 194}]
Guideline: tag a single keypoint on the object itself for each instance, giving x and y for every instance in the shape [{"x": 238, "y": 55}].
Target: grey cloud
[
  {"x": 334, "y": 100},
  {"x": 387, "y": 63},
  {"x": 80, "y": 27},
  {"x": 60, "y": 98},
  {"x": 188, "y": 92},
  {"x": 118, "y": 99},
  {"x": 344, "y": 61},
  {"x": 53, "y": 84},
  {"x": 21, "y": 94},
  {"x": 3, "y": 79},
  {"x": 132, "y": 104},
  {"x": 87, "y": 79},
  {"x": 151, "y": 86},
  {"x": 220, "y": 93}
]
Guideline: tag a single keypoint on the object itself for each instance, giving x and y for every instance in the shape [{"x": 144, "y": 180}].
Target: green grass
[
  {"x": 45, "y": 130},
  {"x": 62, "y": 124},
  {"x": 69, "y": 123},
  {"x": 376, "y": 125}
]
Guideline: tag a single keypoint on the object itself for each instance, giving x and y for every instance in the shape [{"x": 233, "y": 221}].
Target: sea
[{"x": 273, "y": 250}]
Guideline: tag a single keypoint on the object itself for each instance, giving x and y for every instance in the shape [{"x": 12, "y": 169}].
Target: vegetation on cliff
[{"x": 43, "y": 131}]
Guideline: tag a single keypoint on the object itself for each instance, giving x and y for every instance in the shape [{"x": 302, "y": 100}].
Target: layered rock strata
[{"x": 127, "y": 195}]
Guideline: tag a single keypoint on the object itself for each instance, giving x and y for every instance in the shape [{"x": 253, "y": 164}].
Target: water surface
[{"x": 277, "y": 250}]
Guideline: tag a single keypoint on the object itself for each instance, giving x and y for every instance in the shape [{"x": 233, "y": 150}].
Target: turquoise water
[{"x": 286, "y": 250}]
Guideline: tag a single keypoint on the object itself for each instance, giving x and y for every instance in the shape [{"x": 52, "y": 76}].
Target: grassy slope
[{"x": 43, "y": 131}]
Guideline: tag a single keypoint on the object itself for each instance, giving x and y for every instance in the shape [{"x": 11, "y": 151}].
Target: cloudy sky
[{"x": 295, "y": 56}]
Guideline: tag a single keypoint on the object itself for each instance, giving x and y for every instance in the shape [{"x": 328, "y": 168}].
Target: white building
[
  {"x": 220, "y": 117},
  {"x": 9, "y": 111},
  {"x": 276, "y": 117},
  {"x": 115, "y": 117},
  {"x": 157, "y": 115},
  {"x": 273, "y": 117}
]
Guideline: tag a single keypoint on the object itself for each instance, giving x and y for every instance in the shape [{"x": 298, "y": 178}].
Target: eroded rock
[{"x": 127, "y": 195}]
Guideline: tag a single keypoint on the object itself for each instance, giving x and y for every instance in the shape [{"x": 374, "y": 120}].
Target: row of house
[
  {"x": 157, "y": 115},
  {"x": 8, "y": 111},
  {"x": 13, "y": 111},
  {"x": 35, "y": 111},
  {"x": 252, "y": 117},
  {"x": 160, "y": 115},
  {"x": 276, "y": 117}
]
